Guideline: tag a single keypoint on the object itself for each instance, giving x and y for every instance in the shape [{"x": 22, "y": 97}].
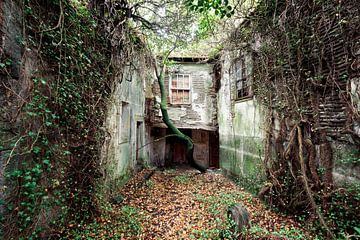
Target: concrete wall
[
  {"x": 124, "y": 151},
  {"x": 346, "y": 156},
  {"x": 240, "y": 132},
  {"x": 202, "y": 112},
  {"x": 355, "y": 98}
]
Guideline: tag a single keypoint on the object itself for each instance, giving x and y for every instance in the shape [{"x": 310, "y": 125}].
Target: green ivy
[{"x": 53, "y": 168}]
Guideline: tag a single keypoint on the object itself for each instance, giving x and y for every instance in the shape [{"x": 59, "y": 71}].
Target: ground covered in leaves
[{"x": 183, "y": 204}]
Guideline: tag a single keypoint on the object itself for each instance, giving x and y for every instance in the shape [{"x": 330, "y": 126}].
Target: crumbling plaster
[{"x": 202, "y": 112}]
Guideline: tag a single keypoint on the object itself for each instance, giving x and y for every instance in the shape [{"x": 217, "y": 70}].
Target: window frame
[
  {"x": 238, "y": 75},
  {"x": 177, "y": 88}
]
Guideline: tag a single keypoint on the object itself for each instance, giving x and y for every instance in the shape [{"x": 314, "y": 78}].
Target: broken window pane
[
  {"x": 180, "y": 89},
  {"x": 238, "y": 74}
]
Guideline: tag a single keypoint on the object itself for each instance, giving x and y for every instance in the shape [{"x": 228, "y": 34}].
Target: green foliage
[
  {"x": 127, "y": 224},
  {"x": 182, "y": 179},
  {"x": 217, "y": 205},
  {"x": 206, "y": 25},
  {"x": 150, "y": 183},
  {"x": 352, "y": 158},
  {"x": 220, "y": 8},
  {"x": 131, "y": 219},
  {"x": 283, "y": 233},
  {"x": 251, "y": 182},
  {"x": 53, "y": 162},
  {"x": 344, "y": 208},
  {"x": 224, "y": 230}
]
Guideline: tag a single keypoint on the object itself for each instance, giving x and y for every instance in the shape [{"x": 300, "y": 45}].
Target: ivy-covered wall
[
  {"x": 305, "y": 75},
  {"x": 61, "y": 68}
]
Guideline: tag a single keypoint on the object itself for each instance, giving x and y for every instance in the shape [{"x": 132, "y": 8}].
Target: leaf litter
[{"x": 181, "y": 203}]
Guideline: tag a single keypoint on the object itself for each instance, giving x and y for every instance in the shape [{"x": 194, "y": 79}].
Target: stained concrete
[
  {"x": 125, "y": 146},
  {"x": 240, "y": 126}
]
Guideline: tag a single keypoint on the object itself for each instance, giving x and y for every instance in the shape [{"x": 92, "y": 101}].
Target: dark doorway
[
  {"x": 214, "y": 149},
  {"x": 175, "y": 153}
]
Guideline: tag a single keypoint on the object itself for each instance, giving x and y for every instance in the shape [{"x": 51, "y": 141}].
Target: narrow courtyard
[
  {"x": 181, "y": 203},
  {"x": 179, "y": 119}
]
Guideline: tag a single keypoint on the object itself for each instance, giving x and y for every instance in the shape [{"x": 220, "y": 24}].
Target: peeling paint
[{"x": 202, "y": 112}]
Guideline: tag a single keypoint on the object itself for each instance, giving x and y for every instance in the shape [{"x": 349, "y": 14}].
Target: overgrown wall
[
  {"x": 60, "y": 65},
  {"x": 240, "y": 127},
  {"x": 305, "y": 75},
  {"x": 125, "y": 150}
]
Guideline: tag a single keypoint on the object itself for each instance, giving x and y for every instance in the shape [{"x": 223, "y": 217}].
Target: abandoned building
[
  {"x": 241, "y": 118},
  {"x": 331, "y": 106},
  {"x": 197, "y": 90},
  {"x": 126, "y": 147},
  {"x": 192, "y": 101},
  {"x": 81, "y": 106}
]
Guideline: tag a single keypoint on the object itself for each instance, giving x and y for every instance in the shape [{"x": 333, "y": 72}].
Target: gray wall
[
  {"x": 202, "y": 112},
  {"x": 240, "y": 121},
  {"x": 124, "y": 151}
]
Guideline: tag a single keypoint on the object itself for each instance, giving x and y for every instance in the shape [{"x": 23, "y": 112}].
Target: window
[
  {"x": 180, "y": 89},
  {"x": 239, "y": 74}
]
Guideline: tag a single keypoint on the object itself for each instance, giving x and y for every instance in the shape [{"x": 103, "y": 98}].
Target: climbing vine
[
  {"x": 304, "y": 55},
  {"x": 55, "y": 130}
]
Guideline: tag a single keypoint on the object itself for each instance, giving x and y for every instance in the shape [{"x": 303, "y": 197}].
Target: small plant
[
  {"x": 130, "y": 219},
  {"x": 353, "y": 158},
  {"x": 251, "y": 183},
  {"x": 150, "y": 184},
  {"x": 182, "y": 179}
]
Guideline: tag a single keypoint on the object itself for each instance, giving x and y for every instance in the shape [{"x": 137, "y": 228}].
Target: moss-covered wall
[
  {"x": 240, "y": 121},
  {"x": 124, "y": 151},
  {"x": 346, "y": 155}
]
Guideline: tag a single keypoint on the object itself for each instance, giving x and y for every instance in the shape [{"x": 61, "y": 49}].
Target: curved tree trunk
[
  {"x": 165, "y": 115},
  {"x": 170, "y": 124}
]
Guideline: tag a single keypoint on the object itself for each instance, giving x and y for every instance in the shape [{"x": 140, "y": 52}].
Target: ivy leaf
[{"x": 36, "y": 150}]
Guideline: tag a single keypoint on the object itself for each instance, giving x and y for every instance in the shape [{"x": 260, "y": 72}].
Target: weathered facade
[
  {"x": 125, "y": 150},
  {"x": 52, "y": 114},
  {"x": 241, "y": 118},
  {"x": 330, "y": 105},
  {"x": 192, "y": 100}
]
